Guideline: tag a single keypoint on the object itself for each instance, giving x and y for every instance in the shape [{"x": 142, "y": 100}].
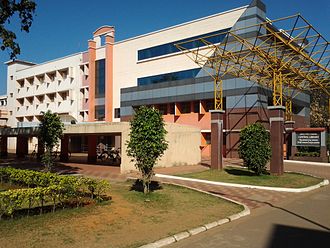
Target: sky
[{"x": 62, "y": 28}]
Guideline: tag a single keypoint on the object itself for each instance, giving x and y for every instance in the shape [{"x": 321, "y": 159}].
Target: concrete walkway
[{"x": 295, "y": 220}]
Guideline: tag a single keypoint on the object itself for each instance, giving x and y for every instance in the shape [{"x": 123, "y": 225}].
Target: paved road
[{"x": 302, "y": 220}]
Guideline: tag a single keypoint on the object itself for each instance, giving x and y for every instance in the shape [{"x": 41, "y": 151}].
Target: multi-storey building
[
  {"x": 110, "y": 79},
  {"x": 3, "y": 111}
]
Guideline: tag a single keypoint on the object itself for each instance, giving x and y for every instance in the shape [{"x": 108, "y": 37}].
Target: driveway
[{"x": 297, "y": 220}]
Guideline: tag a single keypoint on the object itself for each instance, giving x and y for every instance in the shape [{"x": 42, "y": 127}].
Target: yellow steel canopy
[{"x": 287, "y": 55}]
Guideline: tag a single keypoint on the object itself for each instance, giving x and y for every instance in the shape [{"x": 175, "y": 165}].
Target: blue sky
[{"x": 62, "y": 27}]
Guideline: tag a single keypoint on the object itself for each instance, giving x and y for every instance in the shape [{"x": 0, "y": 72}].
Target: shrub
[
  {"x": 46, "y": 188},
  {"x": 254, "y": 147}
]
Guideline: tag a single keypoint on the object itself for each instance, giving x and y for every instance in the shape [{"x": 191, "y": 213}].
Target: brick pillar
[
  {"x": 4, "y": 146},
  {"x": 22, "y": 146},
  {"x": 91, "y": 78},
  {"x": 91, "y": 139},
  {"x": 109, "y": 43},
  {"x": 41, "y": 149},
  {"x": 64, "y": 157},
  {"x": 216, "y": 139},
  {"x": 289, "y": 128},
  {"x": 276, "y": 119}
]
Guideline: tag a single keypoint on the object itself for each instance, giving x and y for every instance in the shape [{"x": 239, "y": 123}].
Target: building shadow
[
  {"x": 276, "y": 207},
  {"x": 290, "y": 236}
]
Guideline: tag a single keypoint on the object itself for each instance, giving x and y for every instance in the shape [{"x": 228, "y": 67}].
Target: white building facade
[{"x": 110, "y": 79}]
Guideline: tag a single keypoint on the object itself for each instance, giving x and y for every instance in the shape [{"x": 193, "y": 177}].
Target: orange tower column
[
  {"x": 91, "y": 99},
  {"x": 109, "y": 41}
]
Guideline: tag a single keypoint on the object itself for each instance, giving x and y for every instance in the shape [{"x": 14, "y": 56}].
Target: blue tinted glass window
[
  {"x": 100, "y": 112},
  {"x": 173, "y": 76},
  {"x": 170, "y": 48},
  {"x": 100, "y": 78}
]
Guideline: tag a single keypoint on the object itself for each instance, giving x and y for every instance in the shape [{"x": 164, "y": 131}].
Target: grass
[
  {"x": 244, "y": 176},
  {"x": 131, "y": 219}
]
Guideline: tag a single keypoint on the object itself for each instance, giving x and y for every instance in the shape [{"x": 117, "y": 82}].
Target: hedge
[{"x": 45, "y": 188}]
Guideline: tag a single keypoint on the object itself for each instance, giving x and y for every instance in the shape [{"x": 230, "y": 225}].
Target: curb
[
  {"x": 307, "y": 163},
  {"x": 194, "y": 231},
  {"x": 291, "y": 190}
]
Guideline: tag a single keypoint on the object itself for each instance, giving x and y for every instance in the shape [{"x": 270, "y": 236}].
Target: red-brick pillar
[
  {"x": 216, "y": 139},
  {"x": 91, "y": 139},
  {"x": 22, "y": 146},
  {"x": 289, "y": 128},
  {"x": 276, "y": 119},
  {"x": 64, "y": 157},
  {"x": 4, "y": 147}
]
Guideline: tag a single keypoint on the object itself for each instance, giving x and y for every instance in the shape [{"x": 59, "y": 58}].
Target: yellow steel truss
[
  {"x": 277, "y": 88},
  {"x": 288, "y": 109},
  {"x": 287, "y": 53}
]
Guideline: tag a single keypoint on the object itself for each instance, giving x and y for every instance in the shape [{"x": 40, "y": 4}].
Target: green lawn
[
  {"x": 129, "y": 220},
  {"x": 244, "y": 176}
]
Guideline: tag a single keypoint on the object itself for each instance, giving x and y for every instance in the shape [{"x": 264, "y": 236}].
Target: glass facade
[
  {"x": 173, "y": 76},
  {"x": 100, "y": 78},
  {"x": 170, "y": 48}
]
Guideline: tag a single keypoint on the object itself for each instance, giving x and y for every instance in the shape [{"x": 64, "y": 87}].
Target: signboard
[{"x": 308, "y": 139}]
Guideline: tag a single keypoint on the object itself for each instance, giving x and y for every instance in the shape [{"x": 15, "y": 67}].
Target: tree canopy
[
  {"x": 8, "y": 9},
  {"x": 51, "y": 130},
  {"x": 147, "y": 142}
]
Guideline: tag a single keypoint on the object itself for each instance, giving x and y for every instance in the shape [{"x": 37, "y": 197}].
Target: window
[
  {"x": 173, "y": 76},
  {"x": 41, "y": 78},
  {"x": 51, "y": 76},
  {"x": 100, "y": 113},
  {"x": 162, "y": 109},
  {"x": 196, "y": 107},
  {"x": 51, "y": 97},
  {"x": 100, "y": 78},
  {"x": 185, "y": 107},
  {"x": 209, "y": 105},
  {"x": 20, "y": 83},
  {"x": 41, "y": 98},
  {"x": 64, "y": 95},
  {"x": 170, "y": 48},
  {"x": 117, "y": 112},
  {"x": 20, "y": 101},
  {"x": 207, "y": 137}
]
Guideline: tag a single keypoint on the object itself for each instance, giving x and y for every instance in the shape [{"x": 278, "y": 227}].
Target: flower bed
[{"x": 47, "y": 189}]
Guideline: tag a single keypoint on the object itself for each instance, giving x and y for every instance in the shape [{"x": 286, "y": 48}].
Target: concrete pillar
[
  {"x": 22, "y": 146},
  {"x": 118, "y": 141},
  {"x": 91, "y": 140},
  {"x": 64, "y": 156},
  {"x": 276, "y": 119},
  {"x": 4, "y": 146},
  {"x": 289, "y": 128},
  {"x": 216, "y": 139}
]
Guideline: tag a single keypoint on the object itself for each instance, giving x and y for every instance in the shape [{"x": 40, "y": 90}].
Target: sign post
[{"x": 309, "y": 138}]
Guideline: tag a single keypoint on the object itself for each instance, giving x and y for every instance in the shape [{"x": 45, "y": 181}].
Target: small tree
[
  {"x": 51, "y": 130},
  {"x": 254, "y": 147},
  {"x": 147, "y": 142}
]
